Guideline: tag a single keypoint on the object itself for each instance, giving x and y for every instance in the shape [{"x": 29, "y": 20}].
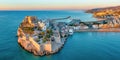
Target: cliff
[{"x": 29, "y": 44}]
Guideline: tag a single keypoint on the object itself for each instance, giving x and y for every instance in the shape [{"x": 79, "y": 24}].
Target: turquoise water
[{"x": 80, "y": 46}]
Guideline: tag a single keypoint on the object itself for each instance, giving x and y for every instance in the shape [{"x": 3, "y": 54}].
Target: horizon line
[{"x": 54, "y": 9}]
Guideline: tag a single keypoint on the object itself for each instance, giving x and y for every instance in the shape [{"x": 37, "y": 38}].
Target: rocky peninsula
[{"x": 41, "y": 37}]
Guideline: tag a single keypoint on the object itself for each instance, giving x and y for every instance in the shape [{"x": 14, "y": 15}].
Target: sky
[{"x": 56, "y": 4}]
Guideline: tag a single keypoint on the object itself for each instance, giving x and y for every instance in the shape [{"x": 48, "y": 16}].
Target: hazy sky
[{"x": 55, "y": 4}]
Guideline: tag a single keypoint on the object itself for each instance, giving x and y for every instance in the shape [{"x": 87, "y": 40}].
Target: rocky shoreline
[{"x": 33, "y": 50}]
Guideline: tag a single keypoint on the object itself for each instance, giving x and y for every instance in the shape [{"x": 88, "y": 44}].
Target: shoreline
[{"x": 100, "y": 30}]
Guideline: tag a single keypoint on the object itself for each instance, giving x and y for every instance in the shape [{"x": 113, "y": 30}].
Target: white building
[
  {"x": 70, "y": 31},
  {"x": 95, "y": 26},
  {"x": 42, "y": 25},
  {"x": 76, "y": 27},
  {"x": 84, "y": 27}
]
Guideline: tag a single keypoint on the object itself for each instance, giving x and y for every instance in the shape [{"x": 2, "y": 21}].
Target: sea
[{"x": 79, "y": 46}]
